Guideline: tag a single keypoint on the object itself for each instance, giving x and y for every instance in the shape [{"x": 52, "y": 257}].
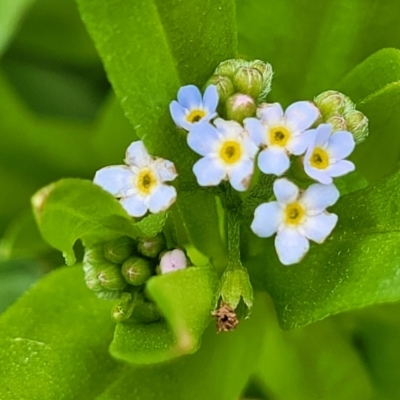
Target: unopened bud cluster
[
  {"x": 338, "y": 110},
  {"x": 119, "y": 269},
  {"x": 241, "y": 86}
]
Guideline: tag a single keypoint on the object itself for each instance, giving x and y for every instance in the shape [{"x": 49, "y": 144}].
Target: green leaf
[
  {"x": 185, "y": 298},
  {"x": 355, "y": 267},
  {"x": 189, "y": 47},
  {"x": 11, "y": 13},
  {"x": 73, "y": 209},
  {"x": 54, "y": 341}
]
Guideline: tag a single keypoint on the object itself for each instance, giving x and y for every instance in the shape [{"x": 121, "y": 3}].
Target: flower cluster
[{"x": 234, "y": 131}]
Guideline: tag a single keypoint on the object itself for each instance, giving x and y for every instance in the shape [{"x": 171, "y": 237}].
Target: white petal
[
  {"x": 208, "y": 172},
  {"x": 165, "y": 169},
  {"x": 137, "y": 155},
  {"x": 319, "y": 227},
  {"x": 117, "y": 179},
  {"x": 301, "y": 115},
  {"x": 342, "y": 167},
  {"x": 285, "y": 191},
  {"x": 210, "y": 99},
  {"x": 256, "y": 130},
  {"x": 250, "y": 147},
  {"x": 317, "y": 198},
  {"x": 299, "y": 144},
  {"x": 291, "y": 246},
  {"x": 271, "y": 114},
  {"x": 178, "y": 114},
  {"x": 341, "y": 144},
  {"x": 202, "y": 138},
  {"x": 162, "y": 198},
  {"x": 228, "y": 129},
  {"x": 189, "y": 97},
  {"x": 134, "y": 206},
  {"x": 273, "y": 161},
  {"x": 240, "y": 175},
  {"x": 267, "y": 217},
  {"x": 319, "y": 175},
  {"x": 322, "y": 135}
]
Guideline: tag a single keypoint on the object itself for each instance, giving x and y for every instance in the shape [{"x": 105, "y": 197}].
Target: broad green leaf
[
  {"x": 54, "y": 342},
  {"x": 311, "y": 44},
  {"x": 356, "y": 266},
  {"x": 219, "y": 370},
  {"x": 11, "y": 13},
  {"x": 314, "y": 362},
  {"x": 185, "y": 298},
  {"x": 73, "y": 209},
  {"x": 188, "y": 47}
]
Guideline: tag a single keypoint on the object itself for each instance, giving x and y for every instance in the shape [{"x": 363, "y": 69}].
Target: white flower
[
  {"x": 296, "y": 218},
  {"x": 324, "y": 157},
  {"x": 139, "y": 185},
  {"x": 281, "y": 133},
  {"x": 228, "y": 153},
  {"x": 173, "y": 261},
  {"x": 192, "y": 108}
]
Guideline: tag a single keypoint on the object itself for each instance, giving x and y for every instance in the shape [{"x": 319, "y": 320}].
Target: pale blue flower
[
  {"x": 281, "y": 133},
  {"x": 192, "y": 108},
  {"x": 325, "y": 155},
  {"x": 173, "y": 260},
  {"x": 228, "y": 153},
  {"x": 140, "y": 184},
  {"x": 296, "y": 218}
]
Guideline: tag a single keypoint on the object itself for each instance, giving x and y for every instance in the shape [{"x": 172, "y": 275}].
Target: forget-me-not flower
[
  {"x": 140, "y": 184},
  {"x": 325, "y": 155},
  {"x": 281, "y": 133},
  {"x": 192, "y": 108},
  {"x": 296, "y": 218},
  {"x": 228, "y": 153}
]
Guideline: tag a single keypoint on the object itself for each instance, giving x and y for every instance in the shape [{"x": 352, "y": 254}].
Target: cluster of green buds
[
  {"x": 241, "y": 86},
  {"x": 338, "y": 110},
  {"x": 119, "y": 269}
]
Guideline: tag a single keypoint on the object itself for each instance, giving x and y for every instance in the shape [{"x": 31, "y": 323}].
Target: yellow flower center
[
  {"x": 230, "y": 152},
  {"x": 279, "y": 136},
  {"x": 319, "y": 158},
  {"x": 195, "y": 116},
  {"x": 294, "y": 213},
  {"x": 145, "y": 181}
]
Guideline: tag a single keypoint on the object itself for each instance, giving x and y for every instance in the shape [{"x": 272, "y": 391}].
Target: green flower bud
[
  {"x": 332, "y": 103},
  {"x": 105, "y": 276},
  {"x": 266, "y": 72},
  {"x": 357, "y": 124},
  {"x": 118, "y": 250},
  {"x": 234, "y": 286},
  {"x": 248, "y": 81},
  {"x": 123, "y": 308},
  {"x": 224, "y": 86},
  {"x": 338, "y": 123},
  {"x": 93, "y": 256},
  {"x": 136, "y": 270},
  {"x": 229, "y": 67},
  {"x": 240, "y": 106},
  {"x": 152, "y": 247}
]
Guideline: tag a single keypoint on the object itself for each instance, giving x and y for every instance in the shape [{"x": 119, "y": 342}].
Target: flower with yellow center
[
  {"x": 325, "y": 155},
  {"x": 192, "y": 108},
  {"x": 139, "y": 185},
  {"x": 280, "y": 133},
  {"x": 296, "y": 218},
  {"x": 228, "y": 153}
]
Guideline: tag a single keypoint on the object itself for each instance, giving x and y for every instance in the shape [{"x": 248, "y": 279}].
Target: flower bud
[
  {"x": 118, "y": 250},
  {"x": 153, "y": 246},
  {"x": 266, "y": 72},
  {"x": 235, "y": 285},
  {"x": 357, "y": 124},
  {"x": 224, "y": 86},
  {"x": 172, "y": 261},
  {"x": 248, "y": 81},
  {"x": 338, "y": 123},
  {"x": 105, "y": 276},
  {"x": 136, "y": 270},
  {"x": 123, "y": 308},
  {"x": 240, "y": 106},
  {"x": 93, "y": 256},
  {"x": 229, "y": 67}
]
